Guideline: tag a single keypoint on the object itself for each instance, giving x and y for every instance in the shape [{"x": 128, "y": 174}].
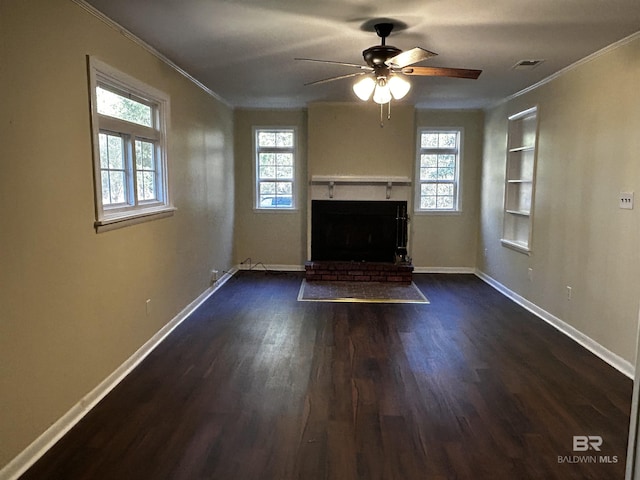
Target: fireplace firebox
[{"x": 359, "y": 231}]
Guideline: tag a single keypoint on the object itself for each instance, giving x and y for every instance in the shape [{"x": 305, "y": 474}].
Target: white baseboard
[
  {"x": 617, "y": 362},
  {"x": 44, "y": 442},
  {"x": 444, "y": 270}
]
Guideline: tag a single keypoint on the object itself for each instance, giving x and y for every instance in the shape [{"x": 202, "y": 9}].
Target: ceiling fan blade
[
  {"x": 442, "y": 72},
  {"x": 409, "y": 57},
  {"x": 339, "y": 77},
  {"x": 361, "y": 67}
]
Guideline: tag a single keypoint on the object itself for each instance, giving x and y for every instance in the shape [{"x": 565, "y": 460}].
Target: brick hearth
[{"x": 358, "y": 271}]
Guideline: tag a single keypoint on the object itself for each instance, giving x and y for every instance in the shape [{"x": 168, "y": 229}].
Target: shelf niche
[{"x": 520, "y": 180}]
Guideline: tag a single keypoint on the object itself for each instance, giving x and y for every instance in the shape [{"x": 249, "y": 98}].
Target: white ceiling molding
[
  {"x": 573, "y": 66},
  {"x": 138, "y": 41}
]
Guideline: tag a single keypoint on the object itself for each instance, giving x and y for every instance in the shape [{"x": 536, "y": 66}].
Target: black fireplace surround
[{"x": 369, "y": 231}]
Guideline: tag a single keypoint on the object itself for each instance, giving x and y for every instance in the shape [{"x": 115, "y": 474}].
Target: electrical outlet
[
  {"x": 530, "y": 274},
  {"x": 214, "y": 275},
  {"x": 569, "y": 292},
  {"x": 148, "y": 306},
  {"x": 626, "y": 200}
]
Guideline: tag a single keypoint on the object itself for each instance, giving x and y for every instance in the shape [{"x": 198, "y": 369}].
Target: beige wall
[
  {"x": 72, "y": 302},
  {"x": 589, "y": 120},
  {"x": 273, "y": 238},
  {"x": 346, "y": 139},
  {"x": 449, "y": 241}
]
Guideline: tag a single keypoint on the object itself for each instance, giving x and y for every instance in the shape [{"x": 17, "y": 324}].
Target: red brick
[
  {"x": 348, "y": 271},
  {"x": 362, "y": 278}
]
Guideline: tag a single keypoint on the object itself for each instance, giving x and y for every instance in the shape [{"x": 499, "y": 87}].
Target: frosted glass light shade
[
  {"x": 399, "y": 87},
  {"x": 382, "y": 94},
  {"x": 364, "y": 88}
]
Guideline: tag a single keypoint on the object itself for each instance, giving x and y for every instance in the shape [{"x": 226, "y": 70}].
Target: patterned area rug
[{"x": 364, "y": 292}]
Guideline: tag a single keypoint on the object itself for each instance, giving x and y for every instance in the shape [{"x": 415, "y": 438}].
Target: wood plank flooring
[{"x": 255, "y": 385}]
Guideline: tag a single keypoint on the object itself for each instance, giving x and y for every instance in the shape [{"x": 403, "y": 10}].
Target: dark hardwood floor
[{"x": 255, "y": 385}]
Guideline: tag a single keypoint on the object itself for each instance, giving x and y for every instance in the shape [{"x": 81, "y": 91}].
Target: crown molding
[
  {"x": 567, "y": 69},
  {"x": 141, "y": 43}
]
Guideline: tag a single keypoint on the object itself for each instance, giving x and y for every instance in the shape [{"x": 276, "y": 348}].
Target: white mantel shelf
[
  {"x": 349, "y": 179},
  {"x": 355, "y": 186}
]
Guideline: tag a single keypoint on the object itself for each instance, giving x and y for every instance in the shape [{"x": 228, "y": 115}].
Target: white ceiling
[{"x": 244, "y": 50}]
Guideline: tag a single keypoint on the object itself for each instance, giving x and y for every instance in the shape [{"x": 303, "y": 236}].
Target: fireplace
[{"x": 358, "y": 231}]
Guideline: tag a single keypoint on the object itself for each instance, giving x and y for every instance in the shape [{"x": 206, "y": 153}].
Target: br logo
[{"x": 582, "y": 443}]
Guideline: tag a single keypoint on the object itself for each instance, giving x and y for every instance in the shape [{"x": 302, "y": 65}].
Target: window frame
[
  {"x": 132, "y": 210},
  {"x": 457, "y": 181},
  {"x": 256, "y": 167}
]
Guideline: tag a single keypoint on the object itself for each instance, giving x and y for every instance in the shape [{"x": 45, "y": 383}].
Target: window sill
[
  {"x": 438, "y": 212},
  {"x": 113, "y": 222},
  {"x": 276, "y": 210}
]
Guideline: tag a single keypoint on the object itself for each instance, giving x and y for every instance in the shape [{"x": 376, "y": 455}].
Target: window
[
  {"x": 130, "y": 158},
  {"x": 437, "y": 188},
  {"x": 275, "y": 168}
]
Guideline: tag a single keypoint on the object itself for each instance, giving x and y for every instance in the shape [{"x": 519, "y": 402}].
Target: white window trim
[
  {"x": 111, "y": 218},
  {"x": 296, "y": 193},
  {"x": 457, "y": 181}
]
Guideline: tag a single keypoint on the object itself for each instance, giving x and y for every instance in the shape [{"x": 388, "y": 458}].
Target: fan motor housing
[{"x": 379, "y": 54}]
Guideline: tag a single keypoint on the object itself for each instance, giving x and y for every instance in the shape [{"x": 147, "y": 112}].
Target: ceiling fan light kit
[
  {"x": 399, "y": 87},
  {"x": 383, "y": 74},
  {"x": 382, "y": 93},
  {"x": 364, "y": 87},
  {"x": 383, "y": 90}
]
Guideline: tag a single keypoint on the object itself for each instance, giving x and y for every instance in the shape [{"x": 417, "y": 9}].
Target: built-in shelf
[
  {"x": 515, "y": 245},
  {"x": 520, "y": 180},
  {"x": 527, "y": 148}
]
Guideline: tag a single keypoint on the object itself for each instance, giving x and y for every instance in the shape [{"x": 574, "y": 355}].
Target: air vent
[{"x": 527, "y": 64}]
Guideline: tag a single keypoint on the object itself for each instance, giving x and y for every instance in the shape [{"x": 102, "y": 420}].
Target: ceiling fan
[{"x": 385, "y": 67}]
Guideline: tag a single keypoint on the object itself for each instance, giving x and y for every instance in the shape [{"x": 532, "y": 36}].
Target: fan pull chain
[{"x": 382, "y": 113}]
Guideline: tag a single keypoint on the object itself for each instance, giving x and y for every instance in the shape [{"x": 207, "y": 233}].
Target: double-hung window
[
  {"x": 275, "y": 150},
  {"x": 129, "y": 123},
  {"x": 438, "y": 170}
]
